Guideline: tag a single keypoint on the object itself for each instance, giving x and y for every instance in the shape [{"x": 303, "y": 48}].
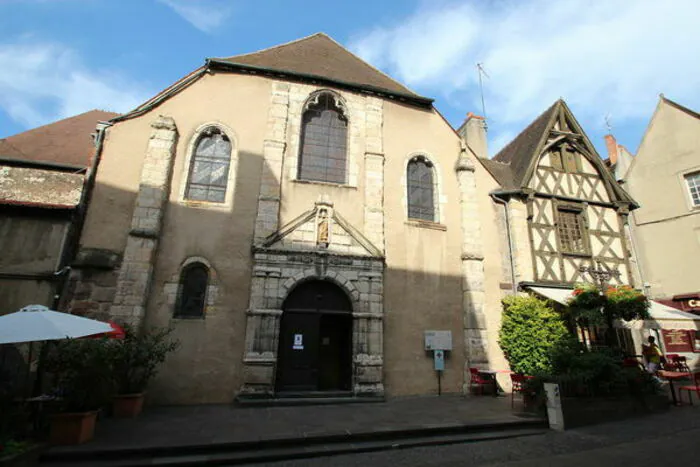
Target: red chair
[
  {"x": 681, "y": 363},
  {"x": 518, "y": 383},
  {"x": 696, "y": 388},
  {"x": 480, "y": 382}
]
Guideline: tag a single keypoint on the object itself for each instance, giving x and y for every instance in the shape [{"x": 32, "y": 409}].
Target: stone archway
[
  {"x": 315, "y": 339},
  {"x": 277, "y": 275}
]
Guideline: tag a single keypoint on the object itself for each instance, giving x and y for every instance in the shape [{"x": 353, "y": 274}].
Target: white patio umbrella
[{"x": 38, "y": 323}]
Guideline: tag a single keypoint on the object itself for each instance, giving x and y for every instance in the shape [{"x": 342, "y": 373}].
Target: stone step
[{"x": 294, "y": 448}]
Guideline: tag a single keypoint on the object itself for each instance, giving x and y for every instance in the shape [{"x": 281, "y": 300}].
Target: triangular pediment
[{"x": 322, "y": 228}]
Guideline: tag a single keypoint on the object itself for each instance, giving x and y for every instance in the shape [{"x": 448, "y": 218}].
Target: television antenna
[
  {"x": 608, "y": 123},
  {"x": 482, "y": 74}
]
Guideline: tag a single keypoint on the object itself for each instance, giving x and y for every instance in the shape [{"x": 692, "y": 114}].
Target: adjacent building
[
  {"x": 664, "y": 177},
  {"x": 43, "y": 175}
]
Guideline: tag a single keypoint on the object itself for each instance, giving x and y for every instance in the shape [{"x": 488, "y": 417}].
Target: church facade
[{"x": 300, "y": 220}]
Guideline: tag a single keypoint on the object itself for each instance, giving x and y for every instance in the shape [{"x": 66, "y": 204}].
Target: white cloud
[
  {"x": 205, "y": 15},
  {"x": 613, "y": 56},
  {"x": 42, "y": 82}
]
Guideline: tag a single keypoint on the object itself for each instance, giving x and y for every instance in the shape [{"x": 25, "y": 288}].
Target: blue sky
[{"x": 62, "y": 57}]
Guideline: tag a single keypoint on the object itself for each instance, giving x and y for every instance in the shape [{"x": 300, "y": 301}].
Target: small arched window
[
  {"x": 209, "y": 167},
  {"x": 192, "y": 292},
  {"x": 421, "y": 189},
  {"x": 323, "y": 146}
]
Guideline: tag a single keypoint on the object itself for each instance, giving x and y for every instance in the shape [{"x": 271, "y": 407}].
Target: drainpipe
[
  {"x": 637, "y": 259},
  {"x": 510, "y": 242}
]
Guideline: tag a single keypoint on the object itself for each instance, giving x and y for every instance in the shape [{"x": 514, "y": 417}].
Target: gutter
[
  {"x": 504, "y": 203},
  {"x": 12, "y": 162},
  {"x": 72, "y": 241}
]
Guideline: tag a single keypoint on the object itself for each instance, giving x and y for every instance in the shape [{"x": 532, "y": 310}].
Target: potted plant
[
  {"x": 84, "y": 384},
  {"x": 135, "y": 361}
]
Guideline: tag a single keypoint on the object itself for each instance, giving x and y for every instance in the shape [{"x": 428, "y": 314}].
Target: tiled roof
[
  {"x": 319, "y": 55},
  {"x": 519, "y": 153},
  {"x": 66, "y": 141}
]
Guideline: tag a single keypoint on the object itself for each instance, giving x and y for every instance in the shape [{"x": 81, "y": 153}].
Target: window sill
[
  {"x": 187, "y": 318},
  {"x": 329, "y": 184},
  {"x": 577, "y": 255},
  {"x": 426, "y": 224},
  {"x": 204, "y": 204}
]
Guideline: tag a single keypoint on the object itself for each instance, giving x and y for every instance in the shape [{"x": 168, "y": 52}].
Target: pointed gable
[
  {"x": 319, "y": 56},
  {"x": 523, "y": 153},
  {"x": 66, "y": 141}
]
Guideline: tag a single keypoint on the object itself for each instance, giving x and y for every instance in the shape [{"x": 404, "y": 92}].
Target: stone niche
[{"x": 307, "y": 249}]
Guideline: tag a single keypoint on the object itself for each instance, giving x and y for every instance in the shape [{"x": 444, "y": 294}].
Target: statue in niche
[{"x": 322, "y": 228}]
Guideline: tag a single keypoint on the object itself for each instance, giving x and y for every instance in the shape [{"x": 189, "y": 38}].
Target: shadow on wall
[{"x": 208, "y": 367}]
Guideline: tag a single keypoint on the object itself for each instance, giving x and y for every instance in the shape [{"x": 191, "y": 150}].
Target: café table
[{"x": 672, "y": 376}]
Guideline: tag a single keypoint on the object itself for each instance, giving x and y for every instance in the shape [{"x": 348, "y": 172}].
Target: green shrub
[
  {"x": 532, "y": 335},
  {"x": 82, "y": 372},
  {"x": 135, "y": 359}
]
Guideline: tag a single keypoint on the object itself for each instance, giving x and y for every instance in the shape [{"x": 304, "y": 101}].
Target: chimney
[
  {"x": 473, "y": 132},
  {"x": 611, "y": 144}
]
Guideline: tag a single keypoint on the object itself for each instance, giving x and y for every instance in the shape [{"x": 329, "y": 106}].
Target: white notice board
[{"x": 438, "y": 340}]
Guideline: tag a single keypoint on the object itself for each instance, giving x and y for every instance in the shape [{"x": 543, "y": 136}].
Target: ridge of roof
[{"x": 336, "y": 64}]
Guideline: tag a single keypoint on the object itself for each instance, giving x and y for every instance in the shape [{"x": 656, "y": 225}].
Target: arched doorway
[{"x": 315, "y": 340}]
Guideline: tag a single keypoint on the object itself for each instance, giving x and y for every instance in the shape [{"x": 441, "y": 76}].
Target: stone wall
[
  {"x": 275, "y": 274},
  {"x": 25, "y": 185}
]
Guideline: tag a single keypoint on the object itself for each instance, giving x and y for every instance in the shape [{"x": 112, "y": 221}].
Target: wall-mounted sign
[
  {"x": 439, "y": 359},
  {"x": 298, "y": 342},
  {"x": 678, "y": 340},
  {"x": 438, "y": 340}
]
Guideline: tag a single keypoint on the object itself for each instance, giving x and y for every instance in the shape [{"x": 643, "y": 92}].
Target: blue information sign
[{"x": 439, "y": 357}]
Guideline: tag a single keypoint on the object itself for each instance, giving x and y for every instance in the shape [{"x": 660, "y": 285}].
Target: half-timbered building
[{"x": 565, "y": 213}]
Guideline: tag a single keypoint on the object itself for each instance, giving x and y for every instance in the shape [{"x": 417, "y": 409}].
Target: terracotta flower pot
[
  {"x": 72, "y": 428},
  {"x": 127, "y": 405}
]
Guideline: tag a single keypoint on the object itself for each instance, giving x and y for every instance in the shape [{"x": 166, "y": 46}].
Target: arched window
[
  {"x": 192, "y": 292},
  {"x": 323, "y": 147},
  {"x": 421, "y": 189},
  {"x": 209, "y": 167}
]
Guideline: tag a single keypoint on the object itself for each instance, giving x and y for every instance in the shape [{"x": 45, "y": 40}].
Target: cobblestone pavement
[
  {"x": 193, "y": 425},
  {"x": 669, "y": 438}
]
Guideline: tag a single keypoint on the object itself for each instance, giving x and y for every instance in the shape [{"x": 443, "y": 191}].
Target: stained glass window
[
  {"x": 209, "y": 167},
  {"x": 323, "y": 155},
  {"x": 192, "y": 291},
  {"x": 421, "y": 189}
]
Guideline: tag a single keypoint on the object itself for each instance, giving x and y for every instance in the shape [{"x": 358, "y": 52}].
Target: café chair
[
  {"x": 696, "y": 388},
  {"x": 478, "y": 381}
]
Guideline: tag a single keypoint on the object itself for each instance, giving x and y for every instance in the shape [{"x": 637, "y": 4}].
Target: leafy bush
[
  {"x": 532, "y": 334},
  {"x": 135, "y": 359},
  {"x": 598, "y": 373},
  {"x": 82, "y": 372}
]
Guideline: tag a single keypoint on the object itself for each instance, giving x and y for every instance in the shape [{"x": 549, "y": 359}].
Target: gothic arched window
[
  {"x": 421, "y": 189},
  {"x": 192, "y": 291},
  {"x": 323, "y": 146},
  {"x": 209, "y": 167}
]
